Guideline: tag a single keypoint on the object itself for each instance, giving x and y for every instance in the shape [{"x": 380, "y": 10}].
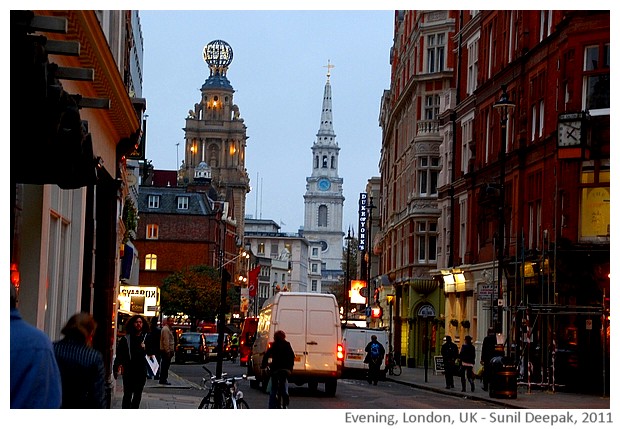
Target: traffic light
[{"x": 376, "y": 312}]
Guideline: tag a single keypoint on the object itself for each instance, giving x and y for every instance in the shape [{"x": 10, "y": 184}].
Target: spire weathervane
[{"x": 329, "y": 66}]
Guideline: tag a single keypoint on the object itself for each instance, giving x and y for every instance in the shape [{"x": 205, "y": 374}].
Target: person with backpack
[{"x": 375, "y": 353}]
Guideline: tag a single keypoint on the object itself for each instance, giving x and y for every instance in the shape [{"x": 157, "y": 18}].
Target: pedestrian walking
[
  {"x": 468, "y": 360},
  {"x": 153, "y": 353},
  {"x": 35, "y": 378},
  {"x": 166, "y": 346},
  {"x": 280, "y": 358},
  {"x": 488, "y": 353},
  {"x": 375, "y": 352},
  {"x": 449, "y": 352},
  {"x": 131, "y": 363},
  {"x": 81, "y": 367}
]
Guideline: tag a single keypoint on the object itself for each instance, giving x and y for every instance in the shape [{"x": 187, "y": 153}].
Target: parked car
[
  {"x": 211, "y": 341},
  {"x": 191, "y": 347}
]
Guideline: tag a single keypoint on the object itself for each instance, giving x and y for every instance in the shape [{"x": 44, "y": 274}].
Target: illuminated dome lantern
[{"x": 218, "y": 55}]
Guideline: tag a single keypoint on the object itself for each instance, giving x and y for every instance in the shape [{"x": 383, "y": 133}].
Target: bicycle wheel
[
  {"x": 397, "y": 370},
  {"x": 242, "y": 405},
  {"x": 206, "y": 402}
]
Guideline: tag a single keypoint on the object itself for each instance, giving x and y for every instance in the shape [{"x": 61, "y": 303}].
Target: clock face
[
  {"x": 324, "y": 184},
  {"x": 569, "y": 133},
  {"x": 323, "y": 245}
]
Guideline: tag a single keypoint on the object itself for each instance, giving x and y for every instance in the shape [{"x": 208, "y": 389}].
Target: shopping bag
[
  {"x": 480, "y": 372},
  {"x": 152, "y": 361}
]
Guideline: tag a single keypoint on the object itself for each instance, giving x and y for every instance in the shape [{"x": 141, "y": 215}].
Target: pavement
[{"x": 155, "y": 395}]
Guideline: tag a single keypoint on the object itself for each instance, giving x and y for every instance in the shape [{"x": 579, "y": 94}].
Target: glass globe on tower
[{"x": 218, "y": 55}]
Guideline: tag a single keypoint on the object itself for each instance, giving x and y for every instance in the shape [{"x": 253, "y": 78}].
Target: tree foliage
[{"x": 195, "y": 292}]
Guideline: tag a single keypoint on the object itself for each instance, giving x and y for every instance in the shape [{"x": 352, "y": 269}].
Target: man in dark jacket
[
  {"x": 375, "y": 352},
  {"x": 130, "y": 361},
  {"x": 282, "y": 361},
  {"x": 488, "y": 353},
  {"x": 450, "y": 352}
]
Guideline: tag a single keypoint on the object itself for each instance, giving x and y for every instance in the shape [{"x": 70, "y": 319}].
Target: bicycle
[
  {"x": 223, "y": 393},
  {"x": 392, "y": 367}
]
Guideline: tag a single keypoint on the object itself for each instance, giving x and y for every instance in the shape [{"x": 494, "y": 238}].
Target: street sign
[{"x": 487, "y": 291}]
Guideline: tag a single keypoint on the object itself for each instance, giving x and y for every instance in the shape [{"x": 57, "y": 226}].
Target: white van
[
  {"x": 354, "y": 340},
  {"x": 311, "y": 322}
]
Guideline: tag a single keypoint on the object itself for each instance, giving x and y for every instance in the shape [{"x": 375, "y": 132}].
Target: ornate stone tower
[
  {"x": 323, "y": 198},
  {"x": 215, "y": 136}
]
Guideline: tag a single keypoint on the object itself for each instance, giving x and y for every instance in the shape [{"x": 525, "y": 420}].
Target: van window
[{"x": 294, "y": 321}]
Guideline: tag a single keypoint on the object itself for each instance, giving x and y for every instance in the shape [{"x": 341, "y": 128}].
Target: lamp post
[
  {"x": 504, "y": 106},
  {"x": 390, "y": 302},
  {"x": 225, "y": 277}
]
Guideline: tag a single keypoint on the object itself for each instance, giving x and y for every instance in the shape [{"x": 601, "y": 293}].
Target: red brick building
[{"x": 523, "y": 241}]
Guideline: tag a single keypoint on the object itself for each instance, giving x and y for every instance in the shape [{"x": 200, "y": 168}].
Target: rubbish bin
[{"x": 503, "y": 381}]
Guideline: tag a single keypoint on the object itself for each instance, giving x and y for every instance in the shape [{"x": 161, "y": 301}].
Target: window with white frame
[
  {"x": 150, "y": 262},
  {"x": 541, "y": 117},
  {"x": 183, "y": 203},
  {"x": 426, "y": 233},
  {"x": 472, "y": 63},
  {"x": 463, "y": 228},
  {"x": 467, "y": 136},
  {"x": 435, "y": 52},
  {"x": 315, "y": 268},
  {"x": 153, "y": 201},
  {"x": 152, "y": 231},
  {"x": 261, "y": 248},
  {"x": 428, "y": 175},
  {"x": 545, "y": 24},
  {"x": 315, "y": 285},
  {"x": 534, "y": 122},
  {"x": 431, "y": 106},
  {"x": 315, "y": 252},
  {"x": 596, "y": 80}
]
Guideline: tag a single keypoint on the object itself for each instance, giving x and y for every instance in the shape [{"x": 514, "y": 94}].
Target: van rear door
[
  {"x": 322, "y": 337},
  {"x": 291, "y": 318}
]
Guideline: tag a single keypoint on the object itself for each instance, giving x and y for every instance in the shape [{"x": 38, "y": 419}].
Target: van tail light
[{"x": 340, "y": 352}]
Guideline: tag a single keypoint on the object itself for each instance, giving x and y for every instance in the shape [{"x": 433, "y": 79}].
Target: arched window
[
  {"x": 316, "y": 161},
  {"x": 324, "y": 161},
  {"x": 333, "y": 161},
  {"x": 150, "y": 262},
  {"x": 322, "y": 215}
]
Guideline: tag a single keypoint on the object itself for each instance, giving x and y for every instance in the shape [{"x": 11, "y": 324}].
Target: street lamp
[
  {"x": 225, "y": 277},
  {"x": 390, "y": 302},
  {"x": 504, "y": 106}
]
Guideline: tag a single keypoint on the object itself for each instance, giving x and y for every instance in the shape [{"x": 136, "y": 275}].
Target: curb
[{"x": 457, "y": 394}]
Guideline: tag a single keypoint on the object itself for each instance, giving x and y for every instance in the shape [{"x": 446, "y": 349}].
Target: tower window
[
  {"x": 322, "y": 215},
  {"x": 333, "y": 162},
  {"x": 324, "y": 161},
  {"x": 316, "y": 162}
]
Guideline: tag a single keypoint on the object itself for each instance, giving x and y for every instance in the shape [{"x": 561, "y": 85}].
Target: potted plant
[
  {"x": 454, "y": 322},
  {"x": 465, "y": 324}
]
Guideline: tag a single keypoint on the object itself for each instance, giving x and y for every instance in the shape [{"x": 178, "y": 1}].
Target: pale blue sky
[{"x": 279, "y": 76}]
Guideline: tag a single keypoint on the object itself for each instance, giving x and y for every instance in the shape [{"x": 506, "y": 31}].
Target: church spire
[{"x": 326, "y": 134}]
